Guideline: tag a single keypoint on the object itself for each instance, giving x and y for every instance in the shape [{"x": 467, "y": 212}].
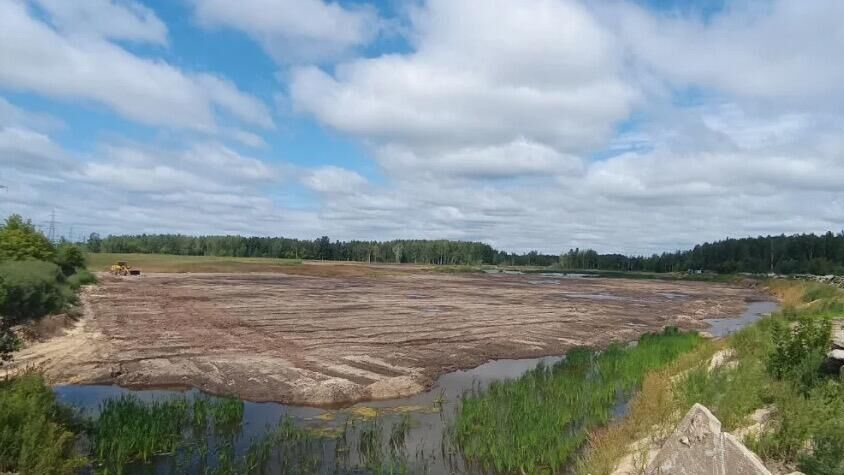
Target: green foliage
[
  {"x": 32, "y": 289},
  {"x": 20, "y": 240},
  {"x": 780, "y": 365},
  {"x": 809, "y": 428},
  {"x": 80, "y": 278},
  {"x": 798, "y": 353},
  {"x": 94, "y": 243},
  {"x": 129, "y": 429},
  {"x": 9, "y": 343},
  {"x": 537, "y": 423},
  {"x": 69, "y": 258},
  {"x": 35, "y": 434},
  {"x": 411, "y": 251}
]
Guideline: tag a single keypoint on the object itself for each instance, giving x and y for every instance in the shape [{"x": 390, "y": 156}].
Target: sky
[{"x": 623, "y": 126}]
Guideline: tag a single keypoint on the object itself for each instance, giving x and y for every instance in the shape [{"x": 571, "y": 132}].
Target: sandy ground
[{"x": 336, "y": 340}]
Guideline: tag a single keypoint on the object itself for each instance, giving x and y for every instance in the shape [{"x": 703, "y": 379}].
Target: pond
[{"x": 410, "y": 432}]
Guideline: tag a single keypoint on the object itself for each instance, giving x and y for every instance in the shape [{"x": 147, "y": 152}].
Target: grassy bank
[
  {"x": 778, "y": 365},
  {"x": 173, "y": 263},
  {"x": 537, "y": 423}
]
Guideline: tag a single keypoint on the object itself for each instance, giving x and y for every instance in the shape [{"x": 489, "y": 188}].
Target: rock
[
  {"x": 838, "y": 333},
  {"x": 698, "y": 447},
  {"x": 721, "y": 358},
  {"x": 759, "y": 423}
]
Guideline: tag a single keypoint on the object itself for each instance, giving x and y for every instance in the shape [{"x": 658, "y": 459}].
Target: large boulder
[{"x": 699, "y": 447}]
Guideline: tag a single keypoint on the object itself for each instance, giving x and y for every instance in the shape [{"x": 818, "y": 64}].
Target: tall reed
[{"x": 537, "y": 423}]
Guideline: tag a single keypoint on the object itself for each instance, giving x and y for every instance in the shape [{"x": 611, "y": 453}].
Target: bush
[
  {"x": 8, "y": 342},
  {"x": 70, "y": 258},
  {"x": 80, "y": 278},
  {"x": 35, "y": 434},
  {"x": 799, "y": 353},
  {"x": 31, "y": 289},
  {"x": 20, "y": 240}
]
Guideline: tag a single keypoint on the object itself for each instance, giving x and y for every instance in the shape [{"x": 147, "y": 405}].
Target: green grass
[
  {"x": 129, "y": 429},
  {"x": 172, "y": 263},
  {"x": 781, "y": 364},
  {"x": 778, "y": 365},
  {"x": 36, "y": 434},
  {"x": 537, "y": 423}
]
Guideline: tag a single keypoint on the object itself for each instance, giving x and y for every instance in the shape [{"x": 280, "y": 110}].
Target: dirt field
[{"x": 316, "y": 340}]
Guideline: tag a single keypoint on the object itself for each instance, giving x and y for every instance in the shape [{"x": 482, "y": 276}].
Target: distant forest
[{"x": 800, "y": 253}]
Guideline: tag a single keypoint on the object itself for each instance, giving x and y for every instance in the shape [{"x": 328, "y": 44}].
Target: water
[
  {"x": 426, "y": 450},
  {"x": 755, "y": 310}
]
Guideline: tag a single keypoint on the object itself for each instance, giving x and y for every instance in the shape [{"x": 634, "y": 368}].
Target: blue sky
[{"x": 541, "y": 124}]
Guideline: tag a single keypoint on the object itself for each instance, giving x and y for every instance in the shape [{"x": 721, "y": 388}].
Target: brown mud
[{"x": 352, "y": 336}]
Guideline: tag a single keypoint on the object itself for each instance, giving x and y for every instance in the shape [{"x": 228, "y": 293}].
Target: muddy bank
[{"x": 338, "y": 340}]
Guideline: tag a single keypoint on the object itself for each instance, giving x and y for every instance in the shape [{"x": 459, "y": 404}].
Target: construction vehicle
[{"x": 123, "y": 268}]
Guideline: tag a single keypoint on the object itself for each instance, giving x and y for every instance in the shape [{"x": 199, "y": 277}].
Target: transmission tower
[{"x": 51, "y": 233}]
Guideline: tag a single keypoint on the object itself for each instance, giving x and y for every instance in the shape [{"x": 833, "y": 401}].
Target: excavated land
[{"x": 334, "y": 340}]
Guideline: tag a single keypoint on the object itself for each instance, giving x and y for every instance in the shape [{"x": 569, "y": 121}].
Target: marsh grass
[
  {"x": 537, "y": 423},
  {"x": 129, "y": 430}
]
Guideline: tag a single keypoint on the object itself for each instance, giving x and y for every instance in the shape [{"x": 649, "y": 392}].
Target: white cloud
[
  {"x": 294, "y": 30},
  {"x": 112, "y": 19},
  {"x": 37, "y": 58},
  {"x": 335, "y": 180},
  {"x": 781, "y": 51},
  {"x": 537, "y": 76},
  {"x": 24, "y": 149},
  {"x": 489, "y": 127},
  {"x": 11, "y": 114},
  {"x": 517, "y": 158}
]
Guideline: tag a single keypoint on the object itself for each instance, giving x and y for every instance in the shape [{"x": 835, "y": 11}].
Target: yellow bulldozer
[{"x": 123, "y": 268}]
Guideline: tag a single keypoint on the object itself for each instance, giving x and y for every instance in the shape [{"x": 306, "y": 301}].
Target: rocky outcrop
[{"x": 699, "y": 447}]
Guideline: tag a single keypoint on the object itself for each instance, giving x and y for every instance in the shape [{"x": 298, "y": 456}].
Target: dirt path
[{"x": 334, "y": 340}]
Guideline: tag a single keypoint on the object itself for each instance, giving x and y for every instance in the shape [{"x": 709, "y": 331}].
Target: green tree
[
  {"x": 20, "y": 240},
  {"x": 69, "y": 257},
  {"x": 94, "y": 243}
]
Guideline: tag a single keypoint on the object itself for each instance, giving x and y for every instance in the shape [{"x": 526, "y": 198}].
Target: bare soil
[{"x": 320, "y": 339}]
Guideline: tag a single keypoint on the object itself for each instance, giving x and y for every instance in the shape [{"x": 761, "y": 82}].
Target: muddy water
[{"x": 426, "y": 448}]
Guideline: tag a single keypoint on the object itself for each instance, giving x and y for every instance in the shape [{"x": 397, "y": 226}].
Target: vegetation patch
[
  {"x": 37, "y": 278},
  {"x": 779, "y": 364},
  {"x": 36, "y": 433},
  {"x": 537, "y": 423}
]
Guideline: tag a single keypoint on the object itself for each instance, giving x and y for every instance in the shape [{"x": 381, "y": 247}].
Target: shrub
[
  {"x": 31, "y": 289},
  {"x": 20, "y": 240},
  {"x": 799, "y": 353},
  {"x": 35, "y": 434},
  {"x": 8, "y": 342},
  {"x": 70, "y": 258},
  {"x": 80, "y": 278}
]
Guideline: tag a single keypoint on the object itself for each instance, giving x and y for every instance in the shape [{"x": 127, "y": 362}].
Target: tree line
[
  {"x": 794, "y": 254},
  {"x": 799, "y": 253},
  {"x": 398, "y": 251}
]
